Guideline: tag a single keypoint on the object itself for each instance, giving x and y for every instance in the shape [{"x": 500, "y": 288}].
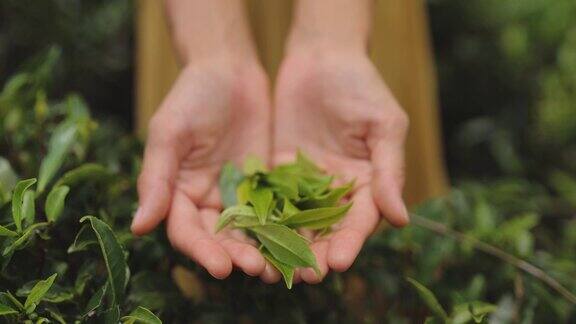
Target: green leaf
[
  {"x": 283, "y": 184},
  {"x": 329, "y": 199},
  {"x": 8, "y": 179},
  {"x": 9, "y": 299},
  {"x": 56, "y": 293},
  {"x": 17, "y": 197},
  {"x": 96, "y": 301},
  {"x": 288, "y": 208},
  {"x": 88, "y": 172},
  {"x": 113, "y": 257},
  {"x": 37, "y": 293},
  {"x": 6, "y": 232},
  {"x": 23, "y": 239},
  {"x": 306, "y": 164},
  {"x": 28, "y": 208},
  {"x": 286, "y": 270},
  {"x": 110, "y": 316},
  {"x": 262, "y": 199},
  {"x": 232, "y": 213},
  {"x": 85, "y": 274},
  {"x": 230, "y": 178},
  {"x": 473, "y": 311},
  {"x": 56, "y": 315},
  {"x": 60, "y": 144},
  {"x": 317, "y": 218},
  {"x": 286, "y": 245},
  {"x": 14, "y": 85},
  {"x": 84, "y": 239},
  {"x": 253, "y": 165},
  {"x": 243, "y": 191},
  {"x": 429, "y": 299},
  {"x": 141, "y": 315},
  {"x": 7, "y": 310},
  {"x": 55, "y": 202}
]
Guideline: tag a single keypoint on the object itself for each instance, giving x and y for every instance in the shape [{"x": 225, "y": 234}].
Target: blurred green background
[
  {"x": 507, "y": 75},
  {"x": 507, "y": 72}
]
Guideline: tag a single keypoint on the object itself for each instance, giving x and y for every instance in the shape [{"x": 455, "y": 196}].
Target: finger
[
  {"x": 387, "y": 151},
  {"x": 320, "y": 250},
  {"x": 270, "y": 275},
  {"x": 156, "y": 181},
  {"x": 297, "y": 276},
  {"x": 245, "y": 256},
  {"x": 186, "y": 234},
  {"x": 346, "y": 242}
]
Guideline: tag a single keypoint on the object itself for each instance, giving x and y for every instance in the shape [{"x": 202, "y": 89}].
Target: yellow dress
[{"x": 399, "y": 46}]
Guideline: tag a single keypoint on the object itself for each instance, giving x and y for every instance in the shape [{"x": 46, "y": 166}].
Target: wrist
[
  {"x": 227, "y": 67},
  {"x": 205, "y": 29},
  {"x": 331, "y": 26}
]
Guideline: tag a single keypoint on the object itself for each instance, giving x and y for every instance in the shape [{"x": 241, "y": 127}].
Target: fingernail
[
  {"x": 137, "y": 217},
  {"x": 406, "y": 214}
]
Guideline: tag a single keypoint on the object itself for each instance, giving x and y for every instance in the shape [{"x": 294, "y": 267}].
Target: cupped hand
[
  {"x": 216, "y": 112},
  {"x": 336, "y": 108}
]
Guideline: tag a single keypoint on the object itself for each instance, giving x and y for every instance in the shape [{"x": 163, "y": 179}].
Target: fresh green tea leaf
[
  {"x": 6, "y": 232},
  {"x": 37, "y": 293},
  {"x": 283, "y": 184},
  {"x": 55, "y": 202},
  {"x": 306, "y": 164},
  {"x": 110, "y": 316},
  {"x": 429, "y": 299},
  {"x": 8, "y": 179},
  {"x": 288, "y": 209},
  {"x": 7, "y": 310},
  {"x": 286, "y": 245},
  {"x": 96, "y": 300},
  {"x": 60, "y": 144},
  {"x": 85, "y": 274},
  {"x": 232, "y": 213},
  {"x": 243, "y": 191},
  {"x": 286, "y": 270},
  {"x": 230, "y": 178},
  {"x": 8, "y": 299},
  {"x": 85, "y": 238},
  {"x": 253, "y": 165},
  {"x": 28, "y": 208},
  {"x": 88, "y": 172},
  {"x": 329, "y": 199},
  {"x": 141, "y": 315},
  {"x": 55, "y": 315},
  {"x": 56, "y": 294},
  {"x": 17, "y": 197},
  {"x": 317, "y": 218},
  {"x": 23, "y": 239},
  {"x": 473, "y": 311},
  {"x": 262, "y": 199},
  {"x": 113, "y": 257}
]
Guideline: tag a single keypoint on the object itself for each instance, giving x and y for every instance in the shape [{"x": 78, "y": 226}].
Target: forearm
[
  {"x": 207, "y": 29},
  {"x": 331, "y": 25}
]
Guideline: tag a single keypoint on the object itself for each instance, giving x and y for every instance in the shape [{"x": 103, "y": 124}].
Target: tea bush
[{"x": 67, "y": 254}]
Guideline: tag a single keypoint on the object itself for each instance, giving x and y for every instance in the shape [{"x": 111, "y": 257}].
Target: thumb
[{"x": 155, "y": 183}]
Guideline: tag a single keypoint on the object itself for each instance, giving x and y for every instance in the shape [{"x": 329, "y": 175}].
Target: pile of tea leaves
[{"x": 271, "y": 205}]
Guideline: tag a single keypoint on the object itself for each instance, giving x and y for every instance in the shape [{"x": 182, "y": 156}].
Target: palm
[
  {"x": 209, "y": 118},
  {"x": 332, "y": 111}
]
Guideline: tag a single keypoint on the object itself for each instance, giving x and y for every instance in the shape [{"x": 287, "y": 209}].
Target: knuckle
[
  {"x": 163, "y": 130},
  {"x": 393, "y": 123},
  {"x": 402, "y": 120}
]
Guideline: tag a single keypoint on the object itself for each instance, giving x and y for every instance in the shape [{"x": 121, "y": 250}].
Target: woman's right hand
[{"x": 217, "y": 111}]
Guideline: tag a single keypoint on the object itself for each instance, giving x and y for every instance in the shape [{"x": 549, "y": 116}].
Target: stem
[{"x": 523, "y": 265}]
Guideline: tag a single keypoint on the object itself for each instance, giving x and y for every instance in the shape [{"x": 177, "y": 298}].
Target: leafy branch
[{"x": 523, "y": 265}]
